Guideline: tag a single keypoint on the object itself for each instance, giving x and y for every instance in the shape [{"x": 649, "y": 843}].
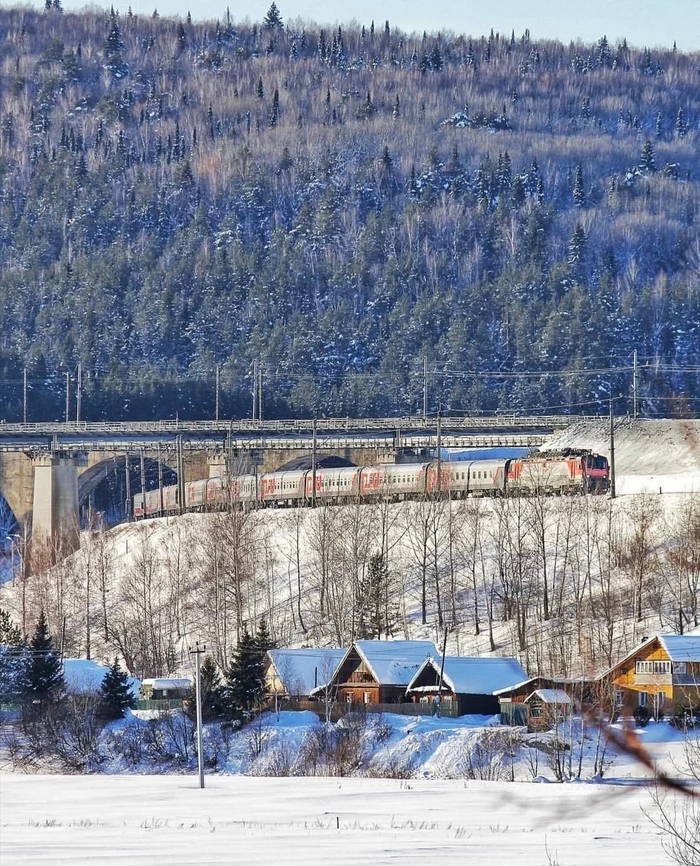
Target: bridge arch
[{"x": 103, "y": 486}]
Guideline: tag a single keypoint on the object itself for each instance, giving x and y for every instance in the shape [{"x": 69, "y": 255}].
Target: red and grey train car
[{"x": 563, "y": 472}]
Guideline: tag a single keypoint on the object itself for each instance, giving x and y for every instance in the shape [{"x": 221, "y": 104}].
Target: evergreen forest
[{"x": 338, "y": 207}]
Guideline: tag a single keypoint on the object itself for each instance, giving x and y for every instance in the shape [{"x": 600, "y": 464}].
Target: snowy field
[{"x": 167, "y": 819}]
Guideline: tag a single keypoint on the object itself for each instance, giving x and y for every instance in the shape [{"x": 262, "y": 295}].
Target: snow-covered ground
[{"x": 168, "y": 819}]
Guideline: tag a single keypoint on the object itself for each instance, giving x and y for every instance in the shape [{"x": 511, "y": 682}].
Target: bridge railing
[{"x": 405, "y": 423}]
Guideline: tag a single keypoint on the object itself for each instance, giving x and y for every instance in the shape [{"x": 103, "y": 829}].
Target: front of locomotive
[{"x": 596, "y": 474}]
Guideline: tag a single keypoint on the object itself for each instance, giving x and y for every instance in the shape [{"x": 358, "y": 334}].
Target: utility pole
[
  {"x": 143, "y": 483},
  {"x": 24, "y": 392},
  {"x": 260, "y": 393},
  {"x": 198, "y": 652},
  {"x": 160, "y": 483},
  {"x": 128, "y": 487},
  {"x": 439, "y": 451},
  {"x": 67, "y": 397},
  {"x": 442, "y": 670},
  {"x": 425, "y": 387},
  {"x": 180, "y": 476},
  {"x": 612, "y": 451},
  {"x": 79, "y": 393},
  {"x": 313, "y": 464},
  {"x": 634, "y": 385},
  {"x": 218, "y": 386},
  {"x": 255, "y": 390}
]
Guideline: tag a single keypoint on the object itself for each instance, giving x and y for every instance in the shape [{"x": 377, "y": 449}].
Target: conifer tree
[
  {"x": 680, "y": 124},
  {"x": 273, "y": 19},
  {"x": 375, "y": 610},
  {"x": 45, "y": 673},
  {"x": 245, "y": 679},
  {"x": 579, "y": 195},
  {"x": 215, "y": 697},
  {"x": 274, "y": 113},
  {"x": 116, "y": 696},
  {"x": 647, "y": 162},
  {"x": 577, "y": 246},
  {"x": 14, "y": 661},
  {"x": 263, "y": 638}
]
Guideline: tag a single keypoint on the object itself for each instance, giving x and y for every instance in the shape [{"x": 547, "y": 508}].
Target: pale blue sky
[{"x": 642, "y": 22}]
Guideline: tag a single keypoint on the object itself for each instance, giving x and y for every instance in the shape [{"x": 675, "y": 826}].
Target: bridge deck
[{"x": 332, "y": 433}]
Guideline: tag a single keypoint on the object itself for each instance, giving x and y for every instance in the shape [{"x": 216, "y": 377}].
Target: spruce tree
[
  {"x": 213, "y": 702},
  {"x": 45, "y": 673},
  {"x": 579, "y": 195},
  {"x": 376, "y": 614},
  {"x": 245, "y": 678},
  {"x": 14, "y": 660},
  {"x": 273, "y": 19},
  {"x": 263, "y": 638},
  {"x": 116, "y": 696},
  {"x": 647, "y": 162}
]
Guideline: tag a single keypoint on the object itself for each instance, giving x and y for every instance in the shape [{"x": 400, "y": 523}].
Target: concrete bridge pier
[{"x": 55, "y": 516}]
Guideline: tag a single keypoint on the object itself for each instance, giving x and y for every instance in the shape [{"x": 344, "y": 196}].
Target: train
[{"x": 551, "y": 472}]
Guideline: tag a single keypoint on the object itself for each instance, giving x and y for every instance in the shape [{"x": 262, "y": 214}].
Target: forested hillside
[{"x": 339, "y": 205}]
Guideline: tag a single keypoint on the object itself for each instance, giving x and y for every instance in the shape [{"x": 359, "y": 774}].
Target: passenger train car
[{"x": 569, "y": 471}]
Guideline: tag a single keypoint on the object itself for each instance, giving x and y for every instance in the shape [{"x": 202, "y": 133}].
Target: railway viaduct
[{"x": 49, "y": 471}]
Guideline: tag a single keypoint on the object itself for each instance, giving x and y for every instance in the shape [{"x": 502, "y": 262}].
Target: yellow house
[{"x": 661, "y": 674}]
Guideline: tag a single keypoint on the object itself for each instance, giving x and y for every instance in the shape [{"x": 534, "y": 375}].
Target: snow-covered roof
[
  {"x": 470, "y": 675},
  {"x": 681, "y": 647},
  {"x": 168, "y": 683},
  {"x": 550, "y": 696},
  {"x": 394, "y": 662},
  {"x": 86, "y": 675},
  {"x": 519, "y": 685},
  {"x": 302, "y": 670}
]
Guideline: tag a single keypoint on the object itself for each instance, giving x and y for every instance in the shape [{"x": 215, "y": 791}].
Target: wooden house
[
  {"x": 295, "y": 673},
  {"x": 378, "y": 672},
  {"x": 467, "y": 682},
  {"x": 514, "y": 710},
  {"x": 546, "y": 708},
  {"x": 165, "y": 688},
  {"x": 662, "y": 674}
]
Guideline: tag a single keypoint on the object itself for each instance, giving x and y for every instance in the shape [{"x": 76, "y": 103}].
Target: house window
[
  {"x": 643, "y": 699},
  {"x": 348, "y": 697},
  {"x": 679, "y": 668},
  {"x": 619, "y": 697},
  {"x": 366, "y": 698},
  {"x": 655, "y": 667},
  {"x": 536, "y": 712},
  {"x": 425, "y": 700}
]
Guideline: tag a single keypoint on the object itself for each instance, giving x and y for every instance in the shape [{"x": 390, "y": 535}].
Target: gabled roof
[
  {"x": 391, "y": 662},
  {"x": 302, "y": 670},
  {"x": 679, "y": 648},
  {"x": 550, "y": 696},
  {"x": 394, "y": 662},
  {"x": 475, "y": 675}
]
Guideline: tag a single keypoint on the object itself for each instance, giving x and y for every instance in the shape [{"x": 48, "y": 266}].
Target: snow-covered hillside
[
  {"x": 564, "y": 584},
  {"x": 650, "y": 455}
]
